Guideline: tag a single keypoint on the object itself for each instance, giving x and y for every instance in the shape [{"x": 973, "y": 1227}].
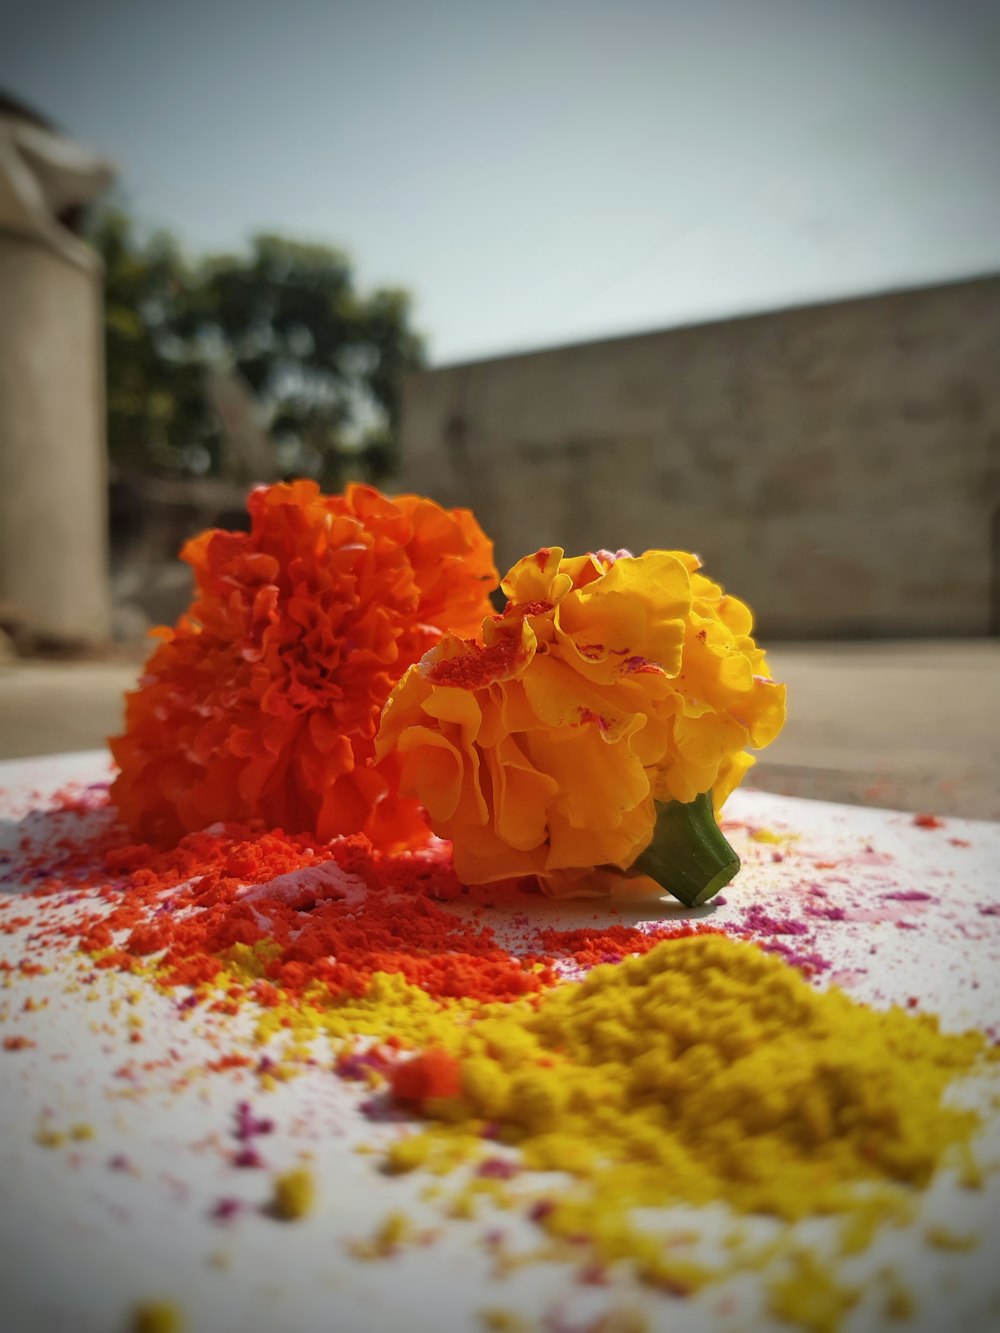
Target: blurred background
[{"x": 722, "y": 276}]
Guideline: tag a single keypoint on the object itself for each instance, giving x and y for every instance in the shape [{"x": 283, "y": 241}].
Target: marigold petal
[
  {"x": 637, "y": 610},
  {"x": 512, "y": 712},
  {"x": 768, "y": 712},
  {"x": 460, "y": 707},
  {"x": 432, "y": 770},
  {"x": 348, "y": 803},
  {"x": 571, "y": 846},
  {"x": 521, "y": 796},
  {"x": 323, "y": 731},
  {"x": 560, "y": 697},
  {"x": 537, "y": 578},
  {"x": 732, "y": 771},
  {"x": 596, "y": 781},
  {"x": 482, "y": 858},
  {"x": 735, "y": 615}
]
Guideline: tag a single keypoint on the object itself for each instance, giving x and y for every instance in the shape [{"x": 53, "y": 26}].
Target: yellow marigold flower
[{"x": 609, "y": 684}]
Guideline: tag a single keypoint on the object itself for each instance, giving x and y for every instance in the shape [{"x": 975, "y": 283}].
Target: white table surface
[{"x": 81, "y": 1242}]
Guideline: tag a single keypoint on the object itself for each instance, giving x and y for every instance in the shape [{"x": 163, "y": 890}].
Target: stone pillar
[{"x": 53, "y": 455}]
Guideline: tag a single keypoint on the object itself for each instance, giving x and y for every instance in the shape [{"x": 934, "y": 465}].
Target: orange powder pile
[{"x": 330, "y": 916}]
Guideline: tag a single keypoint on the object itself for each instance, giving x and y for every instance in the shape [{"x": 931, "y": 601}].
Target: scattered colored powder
[
  {"x": 898, "y": 1304},
  {"x": 756, "y": 919},
  {"x": 810, "y": 1298},
  {"x": 685, "y": 1067},
  {"x": 294, "y": 1194},
  {"x": 499, "y": 1320},
  {"x": 478, "y": 665},
  {"x": 807, "y": 961},
  {"x": 248, "y": 1126},
  {"x": 248, "y": 1157},
  {"x": 392, "y": 1233},
  {"x": 943, "y": 1239},
  {"x": 434, "y": 1073},
  {"x": 157, "y": 1317},
  {"x": 767, "y": 835}
]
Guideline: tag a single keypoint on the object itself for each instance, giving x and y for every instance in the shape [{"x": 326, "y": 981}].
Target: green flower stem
[{"x": 688, "y": 856}]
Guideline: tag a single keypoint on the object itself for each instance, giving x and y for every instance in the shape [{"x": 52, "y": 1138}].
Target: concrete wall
[
  {"x": 837, "y": 466},
  {"x": 53, "y": 467}
]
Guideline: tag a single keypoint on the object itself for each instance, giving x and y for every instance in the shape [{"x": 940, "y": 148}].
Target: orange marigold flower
[
  {"x": 610, "y": 683},
  {"x": 263, "y": 701}
]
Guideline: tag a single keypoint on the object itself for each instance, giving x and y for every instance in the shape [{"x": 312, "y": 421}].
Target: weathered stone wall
[{"x": 838, "y": 466}]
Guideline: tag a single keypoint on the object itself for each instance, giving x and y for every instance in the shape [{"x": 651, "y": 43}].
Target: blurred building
[
  {"x": 838, "y": 465},
  {"x": 53, "y": 468}
]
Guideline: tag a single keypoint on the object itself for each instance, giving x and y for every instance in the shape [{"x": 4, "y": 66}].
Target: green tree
[
  {"x": 324, "y": 361},
  {"x": 150, "y": 396}
]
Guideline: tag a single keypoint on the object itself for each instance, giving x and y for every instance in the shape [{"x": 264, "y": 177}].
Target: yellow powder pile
[{"x": 705, "y": 1071}]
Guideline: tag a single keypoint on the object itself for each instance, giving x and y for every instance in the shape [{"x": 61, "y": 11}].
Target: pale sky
[{"x": 541, "y": 173}]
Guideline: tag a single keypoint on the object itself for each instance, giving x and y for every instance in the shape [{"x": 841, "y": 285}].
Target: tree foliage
[{"x": 324, "y": 361}]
